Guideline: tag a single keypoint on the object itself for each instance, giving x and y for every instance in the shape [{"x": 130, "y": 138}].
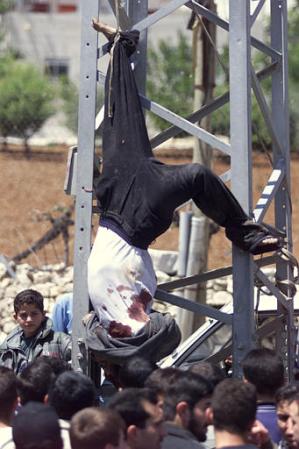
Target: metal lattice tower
[{"x": 244, "y": 82}]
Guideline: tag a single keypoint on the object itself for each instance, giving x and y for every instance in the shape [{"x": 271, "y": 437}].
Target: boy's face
[{"x": 29, "y": 317}]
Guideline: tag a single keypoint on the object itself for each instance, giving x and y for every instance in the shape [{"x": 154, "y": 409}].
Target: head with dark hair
[
  {"x": 129, "y": 404},
  {"x": 8, "y": 394},
  {"x": 135, "y": 371},
  {"x": 58, "y": 366},
  {"x": 284, "y": 396},
  {"x": 286, "y": 393},
  {"x": 36, "y": 379},
  {"x": 36, "y": 426},
  {"x": 71, "y": 392},
  {"x": 161, "y": 379},
  {"x": 143, "y": 417},
  {"x": 29, "y": 296},
  {"x": 264, "y": 369},
  {"x": 186, "y": 403},
  {"x": 234, "y": 404},
  {"x": 29, "y": 311},
  {"x": 95, "y": 428},
  {"x": 188, "y": 387},
  {"x": 212, "y": 373}
]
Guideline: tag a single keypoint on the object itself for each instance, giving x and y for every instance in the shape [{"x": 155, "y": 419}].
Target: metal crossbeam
[
  {"x": 265, "y": 110},
  {"x": 212, "y": 274},
  {"x": 206, "y": 109},
  {"x": 256, "y": 12},
  {"x": 269, "y": 192},
  {"x": 179, "y": 301},
  {"x": 185, "y": 125},
  {"x": 162, "y": 12},
  {"x": 261, "y": 333},
  {"x": 210, "y": 15},
  {"x": 273, "y": 289}
]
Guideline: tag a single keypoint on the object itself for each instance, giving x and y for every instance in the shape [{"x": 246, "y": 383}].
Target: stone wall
[{"x": 51, "y": 281}]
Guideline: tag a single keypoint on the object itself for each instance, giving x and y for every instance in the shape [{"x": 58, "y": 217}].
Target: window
[{"x": 56, "y": 67}]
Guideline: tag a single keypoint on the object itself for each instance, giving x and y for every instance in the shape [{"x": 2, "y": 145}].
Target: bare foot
[{"x": 102, "y": 27}]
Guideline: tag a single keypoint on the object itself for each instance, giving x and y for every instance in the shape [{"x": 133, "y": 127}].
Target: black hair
[
  {"x": 36, "y": 426},
  {"x": 213, "y": 373},
  {"x": 234, "y": 404},
  {"x": 286, "y": 393},
  {"x": 8, "y": 393},
  {"x": 37, "y": 377},
  {"x": 28, "y": 296},
  {"x": 264, "y": 369},
  {"x": 161, "y": 379},
  {"x": 57, "y": 365},
  {"x": 129, "y": 403},
  {"x": 71, "y": 392},
  {"x": 188, "y": 387},
  {"x": 94, "y": 428},
  {"x": 135, "y": 371}
]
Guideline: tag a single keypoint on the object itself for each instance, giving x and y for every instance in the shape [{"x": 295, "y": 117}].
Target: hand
[{"x": 259, "y": 436}]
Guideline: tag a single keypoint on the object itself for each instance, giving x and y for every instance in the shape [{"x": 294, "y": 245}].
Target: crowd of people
[
  {"x": 47, "y": 405},
  {"x": 44, "y": 404}
]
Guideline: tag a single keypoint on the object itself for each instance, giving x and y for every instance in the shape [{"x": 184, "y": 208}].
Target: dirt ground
[{"x": 33, "y": 187}]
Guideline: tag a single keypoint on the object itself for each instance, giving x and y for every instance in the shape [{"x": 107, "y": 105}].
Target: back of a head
[
  {"x": 36, "y": 426},
  {"x": 135, "y": 372},
  {"x": 161, "y": 379},
  {"x": 57, "y": 365},
  {"x": 129, "y": 403},
  {"x": 188, "y": 387},
  {"x": 35, "y": 381},
  {"x": 29, "y": 296},
  {"x": 212, "y": 373},
  {"x": 94, "y": 428},
  {"x": 264, "y": 369},
  {"x": 8, "y": 393},
  {"x": 234, "y": 405},
  {"x": 71, "y": 392}
]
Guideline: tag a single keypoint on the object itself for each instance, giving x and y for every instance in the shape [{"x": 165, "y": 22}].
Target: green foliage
[
  {"x": 170, "y": 78},
  {"x": 6, "y": 5},
  {"x": 293, "y": 44},
  {"x": 69, "y": 94},
  {"x": 25, "y": 100}
]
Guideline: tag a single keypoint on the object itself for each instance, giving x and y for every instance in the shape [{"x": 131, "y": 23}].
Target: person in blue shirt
[{"x": 62, "y": 314}]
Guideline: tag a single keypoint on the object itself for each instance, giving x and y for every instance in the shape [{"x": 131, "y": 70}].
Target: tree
[
  {"x": 293, "y": 44},
  {"x": 25, "y": 101},
  {"x": 70, "y": 97},
  {"x": 6, "y": 5}
]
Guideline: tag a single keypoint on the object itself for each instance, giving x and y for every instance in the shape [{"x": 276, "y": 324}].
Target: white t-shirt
[
  {"x": 121, "y": 282},
  {"x": 6, "y": 441}
]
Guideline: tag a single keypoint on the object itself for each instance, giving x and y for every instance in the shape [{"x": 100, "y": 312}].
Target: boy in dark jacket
[{"x": 34, "y": 335}]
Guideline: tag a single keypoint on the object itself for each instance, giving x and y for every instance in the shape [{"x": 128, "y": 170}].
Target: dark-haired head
[
  {"x": 29, "y": 296},
  {"x": 234, "y": 404},
  {"x": 264, "y": 369}
]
